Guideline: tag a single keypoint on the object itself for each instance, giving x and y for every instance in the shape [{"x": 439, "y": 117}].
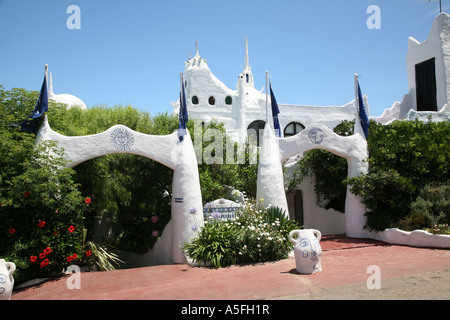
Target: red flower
[
  {"x": 44, "y": 263},
  {"x": 33, "y": 259},
  {"x": 41, "y": 224},
  {"x": 41, "y": 255},
  {"x": 47, "y": 250},
  {"x": 26, "y": 194},
  {"x": 88, "y": 253},
  {"x": 11, "y": 230},
  {"x": 71, "y": 229},
  {"x": 72, "y": 257},
  {"x": 87, "y": 200}
]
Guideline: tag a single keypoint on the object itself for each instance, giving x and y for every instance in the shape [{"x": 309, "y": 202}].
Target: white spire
[{"x": 246, "y": 54}]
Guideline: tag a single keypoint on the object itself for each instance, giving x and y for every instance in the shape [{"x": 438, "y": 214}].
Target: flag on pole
[
  {"x": 363, "y": 116},
  {"x": 182, "y": 115},
  {"x": 31, "y": 124},
  {"x": 275, "y": 112}
]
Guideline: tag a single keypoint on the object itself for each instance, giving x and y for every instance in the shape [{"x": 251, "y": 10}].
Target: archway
[
  {"x": 275, "y": 150},
  {"x": 167, "y": 150},
  {"x": 130, "y": 201}
]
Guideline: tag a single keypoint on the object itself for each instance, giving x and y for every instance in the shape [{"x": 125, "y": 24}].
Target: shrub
[
  {"x": 41, "y": 216},
  {"x": 256, "y": 235},
  {"x": 431, "y": 208},
  {"x": 404, "y": 157},
  {"x": 264, "y": 234},
  {"x": 216, "y": 244}
]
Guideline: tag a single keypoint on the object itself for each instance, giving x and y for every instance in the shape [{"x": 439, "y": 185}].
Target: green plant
[
  {"x": 439, "y": 229},
  {"x": 216, "y": 244},
  {"x": 431, "y": 208},
  {"x": 404, "y": 157},
  {"x": 98, "y": 258},
  {"x": 41, "y": 215},
  {"x": 256, "y": 234}
]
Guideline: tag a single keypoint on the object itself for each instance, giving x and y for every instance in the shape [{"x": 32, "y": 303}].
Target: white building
[
  {"x": 428, "y": 70},
  {"x": 245, "y": 108}
]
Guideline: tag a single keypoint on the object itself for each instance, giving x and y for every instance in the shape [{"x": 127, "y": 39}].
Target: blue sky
[{"x": 131, "y": 52}]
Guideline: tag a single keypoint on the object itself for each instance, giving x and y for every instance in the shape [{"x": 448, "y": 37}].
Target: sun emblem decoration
[{"x": 121, "y": 139}]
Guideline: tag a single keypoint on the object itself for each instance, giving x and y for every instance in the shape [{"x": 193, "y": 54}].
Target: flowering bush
[
  {"x": 41, "y": 216},
  {"x": 257, "y": 234},
  {"x": 439, "y": 229}
]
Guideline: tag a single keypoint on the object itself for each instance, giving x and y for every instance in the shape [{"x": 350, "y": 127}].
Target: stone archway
[
  {"x": 167, "y": 150},
  {"x": 274, "y": 151}
]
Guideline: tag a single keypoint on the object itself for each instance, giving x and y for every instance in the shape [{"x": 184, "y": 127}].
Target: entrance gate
[
  {"x": 167, "y": 150},
  {"x": 270, "y": 184}
]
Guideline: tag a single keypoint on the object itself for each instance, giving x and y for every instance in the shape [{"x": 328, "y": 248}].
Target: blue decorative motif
[
  {"x": 316, "y": 135},
  {"x": 2, "y": 283},
  {"x": 121, "y": 139}
]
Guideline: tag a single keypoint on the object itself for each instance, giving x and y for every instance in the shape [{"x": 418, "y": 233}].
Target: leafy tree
[{"x": 41, "y": 220}]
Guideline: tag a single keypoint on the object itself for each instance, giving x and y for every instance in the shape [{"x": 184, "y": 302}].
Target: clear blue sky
[{"x": 131, "y": 52}]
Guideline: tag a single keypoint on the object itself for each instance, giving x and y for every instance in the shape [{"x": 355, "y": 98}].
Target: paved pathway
[{"x": 344, "y": 261}]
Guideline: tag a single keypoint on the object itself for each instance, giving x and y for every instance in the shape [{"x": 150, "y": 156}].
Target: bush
[
  {"x": 255, "y": 235},
  {"x": 431, "y": 208},
  {"x": 404, "y": 157},
  {"x": 41, "y": 216}
]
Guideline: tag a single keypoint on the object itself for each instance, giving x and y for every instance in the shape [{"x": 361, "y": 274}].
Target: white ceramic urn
[
  {"x": 6, "y": 279},
  {"x": 307, "y": 250}
]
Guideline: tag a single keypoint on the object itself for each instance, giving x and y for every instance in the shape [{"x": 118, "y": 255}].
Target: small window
[
  {"x": 228, "y": 100},
  {"x": 194, "y": 100},
  {"x": 426, "y": 85},
  {"x": 293, "y": 128},
  {"x": 246, "y": 75},
  {"x": 212, "y": 101},
  {"x": 255, "y": 130}
]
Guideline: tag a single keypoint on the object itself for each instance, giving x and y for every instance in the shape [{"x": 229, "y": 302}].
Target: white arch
[
  {"x": 166, "y": 149},
  {"x": 274, "y": 151}
]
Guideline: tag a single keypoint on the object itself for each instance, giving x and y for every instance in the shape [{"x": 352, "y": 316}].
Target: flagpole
[
  {"x": 267, "y": 94},
  {"x": 357, "y": 128}
]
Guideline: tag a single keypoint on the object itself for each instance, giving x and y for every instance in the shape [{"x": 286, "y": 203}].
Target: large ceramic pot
[
  {"x": 307, "y": 250},
  {"x": 6, "y": 279}
]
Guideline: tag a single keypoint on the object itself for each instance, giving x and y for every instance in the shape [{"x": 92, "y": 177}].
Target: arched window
[
  {"x": 293, "y": 128},
  {"x": 256, "y": 129},
  {"x": 228, "y": 100},
  {"x": 194, "y": 100},
  {"x": 212, "y": 101}
]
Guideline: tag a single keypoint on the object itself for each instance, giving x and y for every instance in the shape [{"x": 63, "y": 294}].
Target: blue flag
[
  {"x": 275, "y": 112},
  {"x": 183, "y": 114},
  {"x": 31, "y": 124},
  {"x": 363, "y": 117}
]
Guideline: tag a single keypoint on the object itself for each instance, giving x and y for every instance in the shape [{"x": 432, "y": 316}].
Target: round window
[
  {"x": 228, "y": 100},
  {"x": 212, "y": 100},
  {"x": 194, "y": 100}
]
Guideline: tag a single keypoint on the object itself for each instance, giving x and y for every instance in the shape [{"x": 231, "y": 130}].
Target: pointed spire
[{"x": 246, "y": 54}]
